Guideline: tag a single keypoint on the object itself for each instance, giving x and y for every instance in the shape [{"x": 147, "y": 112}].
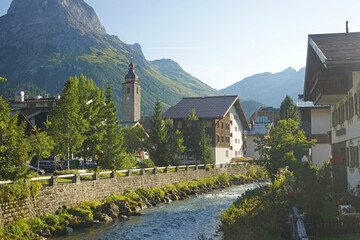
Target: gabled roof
[
  {"x": 207, "y": 107},
  {"x": 336, "y": 48},
  {"x": 259, "y": 128}
]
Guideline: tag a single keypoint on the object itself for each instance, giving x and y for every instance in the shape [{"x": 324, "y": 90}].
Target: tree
[
  {"x": 261, "y": 146},
  {"x": 288, "y": 110},
  {"x": 191, "y": 134},
  {"x": 14, "y": 146},
  {"x": 41, "y": 145},
  {"x": 288, "y": 145},
  {"x": 196, "y": 140},
  {"x": 67, "y": 125},
  {"x": 2, "y": 79},
  {"x": 134, "y": 138},
  {"x": 113, "y": 154},
  {"x": 92, "y": 108},
  {"x": 204, "y": 153},
  {"x": 176, "y": 147},
  {"x": 158, "y": 143}
]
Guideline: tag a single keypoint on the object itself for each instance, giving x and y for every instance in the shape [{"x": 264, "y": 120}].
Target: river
[{"x": 195, "y": 218}]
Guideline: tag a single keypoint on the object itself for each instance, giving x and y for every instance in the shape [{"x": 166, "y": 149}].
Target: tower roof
[{"x": 131, "y": 75}]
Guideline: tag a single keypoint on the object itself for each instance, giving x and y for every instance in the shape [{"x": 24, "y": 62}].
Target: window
[
  {"x": 227, "y": 153},
  {"x": 355, "y": 104},
  {"x": 128, "y": 90},
  {"x": 50, "y": 104},
  {"x": 236, "y": 128},
  {"x": 222, "y": 125},
  {"x": 179, "y": 125},
  {"x": 351, "y": 107},
  {"x": 222, "y": 138},
  {"x": 137, "y": 90},
  {"x": 218, "y": 138},
  {"x": 346, "y": 110}
]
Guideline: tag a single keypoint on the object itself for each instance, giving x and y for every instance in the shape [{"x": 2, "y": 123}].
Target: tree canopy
[{"x": 288, "y": 110}]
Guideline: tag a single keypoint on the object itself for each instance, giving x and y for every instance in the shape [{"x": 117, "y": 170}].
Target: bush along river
[{"x": 194, "y": 218}]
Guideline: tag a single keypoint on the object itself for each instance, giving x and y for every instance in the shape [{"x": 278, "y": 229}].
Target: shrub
[
  {"x": 146, "y": 163},
  {"x": 18, "y": 190},
  {"x": 36, "y": 224}
]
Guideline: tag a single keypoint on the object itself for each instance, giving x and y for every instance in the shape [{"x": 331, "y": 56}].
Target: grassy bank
[{"x": 120, "y": 206}]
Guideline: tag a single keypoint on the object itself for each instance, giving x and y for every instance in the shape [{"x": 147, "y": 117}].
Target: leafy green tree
[
  {"x": 288, "y": 110},
  {"x": 134, "y": 139},
  {"x": 41, "y": 145},
  {"x": 92, "y": 108},
  {"x": 158, "y": 143},
  {"x": 113, "y": 153},
  {"x": 288, "y": 145},
  {"x": 67, "y": 125},
  {"x": 177, "y": 147},
  {"x": 2, "y": 79},
  {"x": 14, "y": 146},
  {"x": 261, "y": 146}
]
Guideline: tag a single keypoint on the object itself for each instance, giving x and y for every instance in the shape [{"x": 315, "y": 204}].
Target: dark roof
[
  {"x": 268, "y": 109},
  {"x": 207, "y": 107},
  {"x": 41, "y": 100},
  {"x": 259, "y": 128},
  {"x": 336, "y": 48},
  {"x": 131, "y": 75},
  {"x": 28, "y": 111}
]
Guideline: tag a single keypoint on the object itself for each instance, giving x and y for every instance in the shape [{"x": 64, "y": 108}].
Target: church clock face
[{"x": 127, "y": 98}]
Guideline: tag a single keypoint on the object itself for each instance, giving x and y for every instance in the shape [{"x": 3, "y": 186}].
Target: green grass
[{"x": 340, "y": 237}]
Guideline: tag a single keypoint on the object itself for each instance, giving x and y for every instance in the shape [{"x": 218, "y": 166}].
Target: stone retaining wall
[{"x": 50, "y": 198}]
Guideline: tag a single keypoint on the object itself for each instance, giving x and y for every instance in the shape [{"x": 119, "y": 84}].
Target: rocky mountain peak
[{"x": 76, "y": 13}]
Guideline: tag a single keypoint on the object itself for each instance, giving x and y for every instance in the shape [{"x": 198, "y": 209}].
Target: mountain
[
  {"x": 43, "y": 42},
  {"x": 172, "y": 70},
  {"x": 269, "y": 88}
]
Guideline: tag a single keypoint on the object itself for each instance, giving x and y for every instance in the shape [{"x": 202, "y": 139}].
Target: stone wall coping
[{"x": 186, "y": 167}]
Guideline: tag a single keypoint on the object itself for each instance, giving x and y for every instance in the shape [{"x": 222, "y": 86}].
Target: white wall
[
  {"x": 320, "y": 120},
  {"x": 238, "y": 134},
  {"x": 220, "y": 155},
  {"x": 320, "y": 153},
  {"x": 250, "y": 147}
]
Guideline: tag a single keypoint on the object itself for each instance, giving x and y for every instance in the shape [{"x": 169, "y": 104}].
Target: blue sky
[{"x": 223, "y": 41}]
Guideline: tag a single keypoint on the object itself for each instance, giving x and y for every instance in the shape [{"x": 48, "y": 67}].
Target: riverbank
[{"x": 121, "y": 206}]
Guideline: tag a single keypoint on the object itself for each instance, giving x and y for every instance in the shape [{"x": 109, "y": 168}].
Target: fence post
[
  {"x": 187, "y": 168},
  {"x": 53, "y": 181},
  {"x": 221, "y": 165},
  {"x": 196, "y": 167},
  {"x": 214, "y": 166},
  {"x": 95, "y": 176},
  {"x": 166, "y": 170},
  {"x": 113, "y": 174},
  {"x": 154, "y": 170},
  {"x": 76, "y": 178},
  {"x": 128, "y": 173},
  {"x": 176, "y": 168},
  {"x": 142, "y": 171}
]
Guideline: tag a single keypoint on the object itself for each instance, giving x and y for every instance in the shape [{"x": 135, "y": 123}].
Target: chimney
[
  {"x": 57, "y": 96},
  {"x": 347, "y": 26},
  {"x": 19, "y": 96},
  {"x": 38, "y": 97}
]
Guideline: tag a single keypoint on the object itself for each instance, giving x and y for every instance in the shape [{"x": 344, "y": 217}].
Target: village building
[
  {"x": 256, "y": 129},
  {"x": 35, "y": 110},
  {"x": 131, "y": 98},
  {"x": 333, "y": 78},
  {"x": 315, "y": 122},
  {"x": 266, "y": 115},
  {"x": 225, "y": 122}
]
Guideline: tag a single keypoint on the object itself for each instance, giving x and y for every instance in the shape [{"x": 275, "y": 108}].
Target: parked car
[
  {"x": 49, "y": 166},
  {"x": 32, "y": 168},
  {"x": 79, "y": 164}
]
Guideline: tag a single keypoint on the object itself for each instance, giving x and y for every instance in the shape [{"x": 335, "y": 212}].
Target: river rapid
[{"x": 194, "y": 218}]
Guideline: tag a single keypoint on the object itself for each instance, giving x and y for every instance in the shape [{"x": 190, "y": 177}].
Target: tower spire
[{"x": 131, "y": 75}]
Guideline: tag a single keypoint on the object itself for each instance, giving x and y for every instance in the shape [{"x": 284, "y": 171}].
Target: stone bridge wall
[{"x": 50, "y": 198}]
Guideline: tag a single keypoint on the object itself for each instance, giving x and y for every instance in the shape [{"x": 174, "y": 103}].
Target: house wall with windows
[
  {"x": 236, "y": 134},
  {"x": 346, "y": 129}
]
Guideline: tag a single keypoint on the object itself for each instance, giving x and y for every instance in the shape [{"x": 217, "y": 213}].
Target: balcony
[{"x": 328, "y": 88}]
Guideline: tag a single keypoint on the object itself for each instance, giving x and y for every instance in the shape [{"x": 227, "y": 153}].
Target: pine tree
[
  {"x": 288, "y": 110},
  {"x": 92, "y": 102},
  {"x": 192, "y": 134},
  {"x": 67, "y": 125},
  {"x": 204, "y": 153},
  {"x": 113, "y": 155},
  {"x": 158, "y": 146}
]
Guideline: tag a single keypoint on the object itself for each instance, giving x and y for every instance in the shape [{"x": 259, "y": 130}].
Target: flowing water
[{"x": 194, "y": 218}]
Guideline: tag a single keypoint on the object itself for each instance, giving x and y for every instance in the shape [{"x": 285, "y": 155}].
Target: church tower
[{"x": 131, "y": 97}]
